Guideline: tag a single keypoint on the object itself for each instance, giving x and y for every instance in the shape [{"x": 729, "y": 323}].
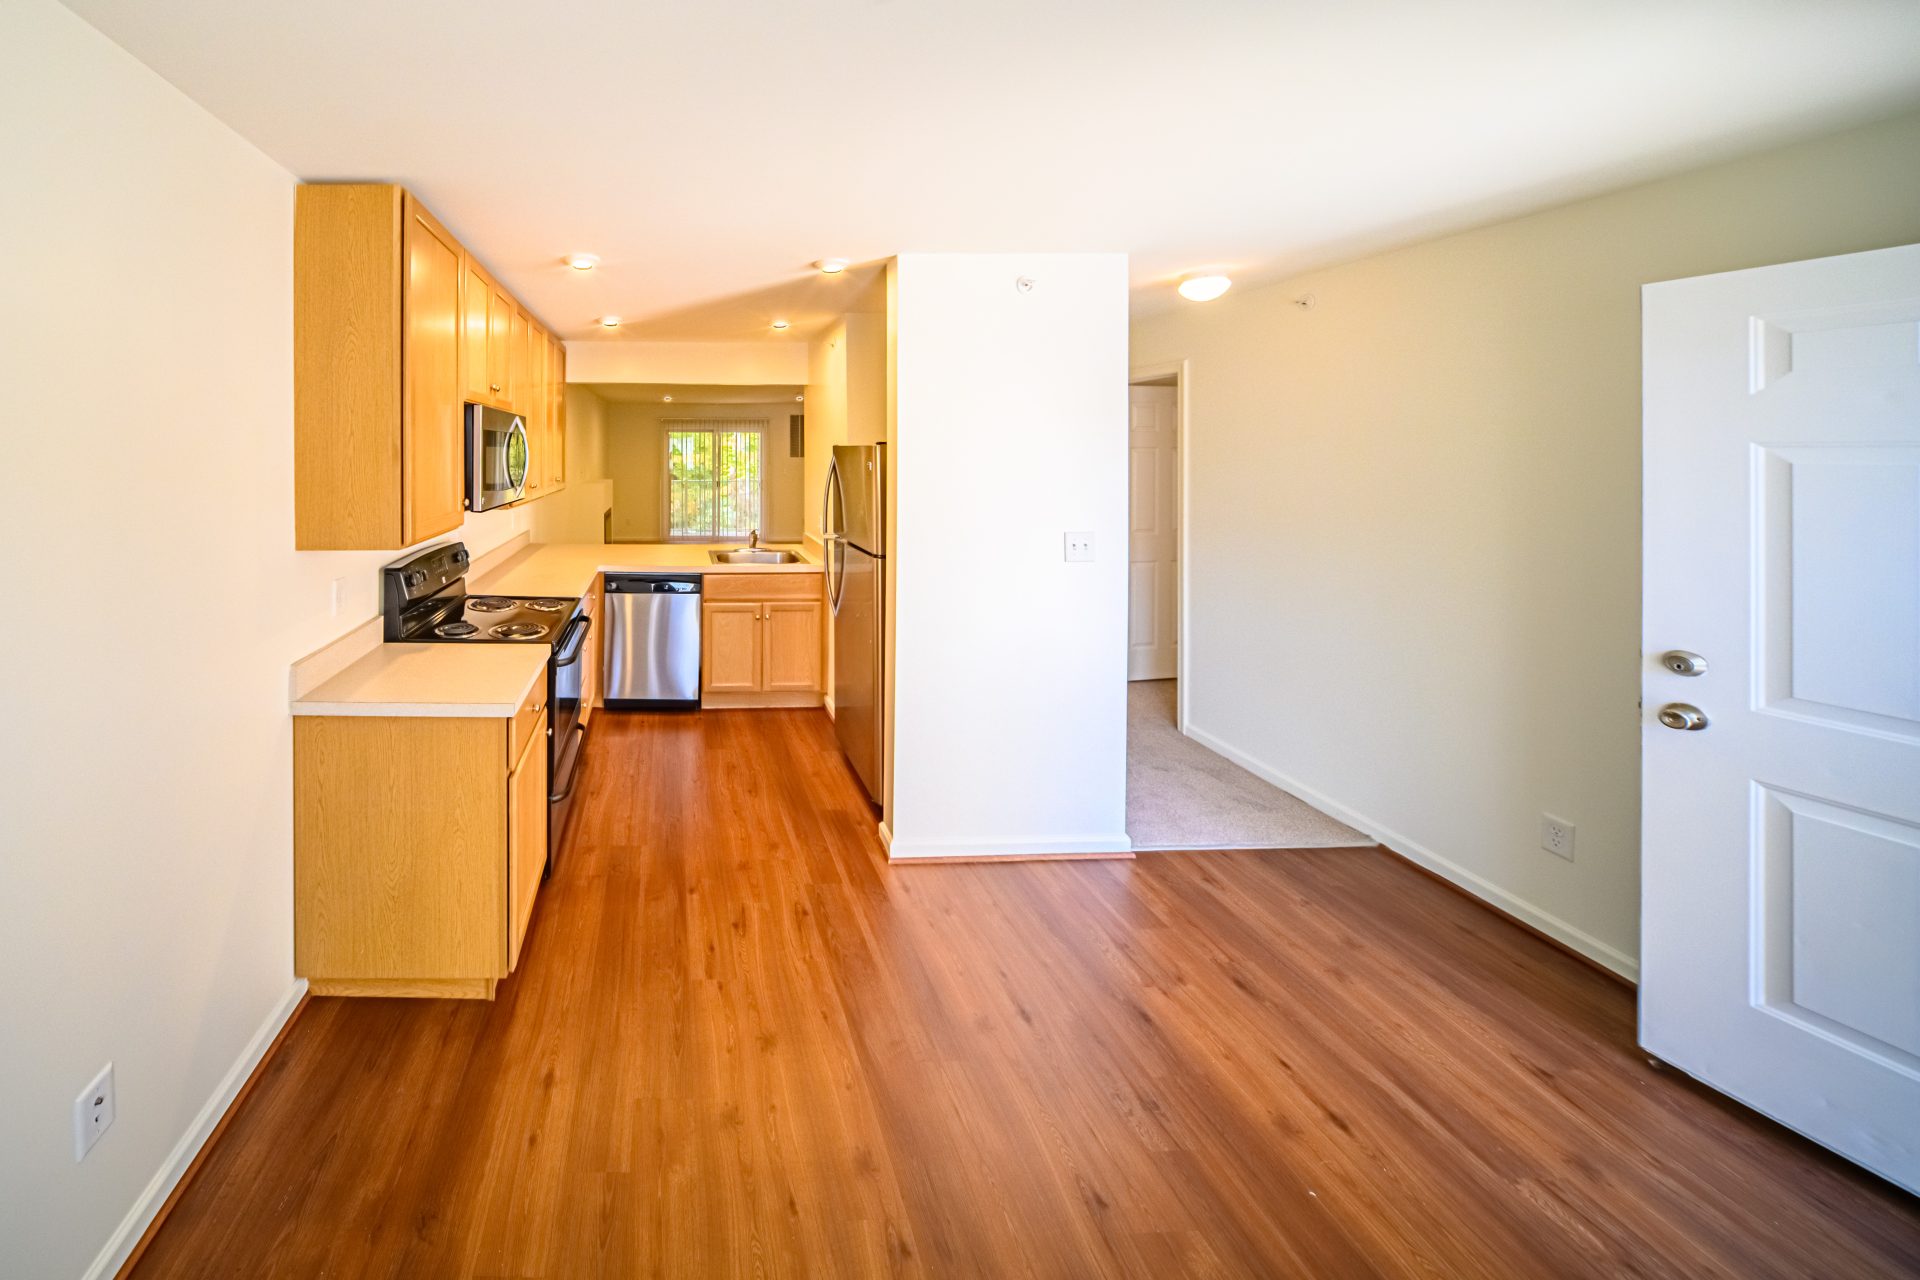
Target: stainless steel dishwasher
[{"x": 653, "y": 641}]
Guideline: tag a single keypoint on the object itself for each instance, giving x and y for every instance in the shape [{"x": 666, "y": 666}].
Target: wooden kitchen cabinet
[
  {"x": 556, "y": 415},
  {"x": 520, "y": 372},
  {"x": 486, "y": 331},
  {"x": 533, "y": 412},
  {"x": 791, "y": 658},
  {"x": 379, "y": 439},
  {"x": 396, "y": 329},
  {"x": 762, "y": 640},
  {"x": 591, "y": 680},
  {"x": 418, "y": 847},
  {"x": 729, "y": 647}
]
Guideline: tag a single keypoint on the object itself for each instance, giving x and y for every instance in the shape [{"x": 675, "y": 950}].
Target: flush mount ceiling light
[
  {"x": 1204, "y": 288},
  {"x": 609, "y": 322},
  {"x": 831, "y": 266},
  {"x": 582, "y": 261},
  {"x": 779, "y": 324}
]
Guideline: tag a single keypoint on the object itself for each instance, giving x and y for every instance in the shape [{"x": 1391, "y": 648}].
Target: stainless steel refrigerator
[{"x": 855, "y": 523}]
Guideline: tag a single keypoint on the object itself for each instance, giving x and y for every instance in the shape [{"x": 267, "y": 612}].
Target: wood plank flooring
[{"x": 741, "y": 1045}]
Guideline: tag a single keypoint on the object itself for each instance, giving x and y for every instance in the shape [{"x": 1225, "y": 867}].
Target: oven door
[
  {"x": 497, "y": 457},
  {"x": 566, "y": 734}
]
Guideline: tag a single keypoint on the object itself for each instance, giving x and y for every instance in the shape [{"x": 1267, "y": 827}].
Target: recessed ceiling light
[
  {"x": 610, "y": 322},
  {"x": 583, "y": 261},
  {"x": 798, "y": 399},
  {"x": 1204, "y": 288},
  {"x": 831, "y": 266},
  {"x": 779, "y": 324},
  {"x": 666, "y": 399}
]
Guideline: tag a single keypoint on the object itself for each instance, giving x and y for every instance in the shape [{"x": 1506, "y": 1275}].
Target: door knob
[
  {"x": 1683, "y": 663},
  {"x": 1683, "y": 715}
]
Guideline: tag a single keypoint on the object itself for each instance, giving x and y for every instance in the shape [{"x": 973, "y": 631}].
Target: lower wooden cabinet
[
  {"x": 762, "y": 640},
  {"x": 418, "y": 847}
]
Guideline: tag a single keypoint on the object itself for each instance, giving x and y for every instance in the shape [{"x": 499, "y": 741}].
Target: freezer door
[
  {"x": 857, "y": 484},
  {"x": 857, "y": 666}
]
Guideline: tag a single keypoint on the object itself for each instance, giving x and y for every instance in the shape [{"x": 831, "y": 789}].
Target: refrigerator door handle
[{"x": 836, "y": 572}]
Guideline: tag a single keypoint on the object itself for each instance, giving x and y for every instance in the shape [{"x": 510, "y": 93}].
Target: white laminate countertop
[
  {"x": 431, "y": 680},
  {"x": 568, "y": 569},
  {"x": 492, "y": 679}
]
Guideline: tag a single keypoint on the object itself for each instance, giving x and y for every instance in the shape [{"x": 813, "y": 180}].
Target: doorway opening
[{"x": 1180, "y": 795}]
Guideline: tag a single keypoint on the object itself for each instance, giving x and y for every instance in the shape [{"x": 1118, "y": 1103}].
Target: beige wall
[
  {"x": 146, "y": 791},
  {"x": 846, "y": 399},
  {"x": 586, "y": 435},
  {"x": 636, "y": 454},
  {"x": 776, "y": 360},
  {"x": 1414, "y": 530}
]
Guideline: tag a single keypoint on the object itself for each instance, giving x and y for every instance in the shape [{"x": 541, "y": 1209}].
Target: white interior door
[
  {"x": 1781, "y": 841},
  {"x": 1153, "y": 486}
]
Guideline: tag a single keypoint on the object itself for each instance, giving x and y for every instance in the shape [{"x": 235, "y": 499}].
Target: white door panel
[
  {"x": 1153, "y": 551},
  {"x": 1780, "y": 924}
]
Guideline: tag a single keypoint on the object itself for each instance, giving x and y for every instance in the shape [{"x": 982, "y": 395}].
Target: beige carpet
[{"x": 1182, "y": 796}]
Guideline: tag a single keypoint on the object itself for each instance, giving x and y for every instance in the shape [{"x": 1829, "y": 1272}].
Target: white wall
[
  {"x": 1010, "y": 664},
  {"x": 1437, "y": 473},
  {"x": 846, "y": 399},
  {"x": 636, "y": 462},
  {"x": 146, "y": 769},
  {"x": 773, "y": 361}
]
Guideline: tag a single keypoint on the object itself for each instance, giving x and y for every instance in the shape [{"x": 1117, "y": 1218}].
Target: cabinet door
[
  {"x": 526, "y": 838},
  {"x": 556, "y": 390},
  {"x": 792, "y": 646},
  {"x": 730, "y": 647},
  {"x": 532, "y": 406},
  {"x": 519, "y": 372},
  {"x": 476, "y": 297},
  {"x": 433, "y": 493},
  {"x": 499, "y": 340}
]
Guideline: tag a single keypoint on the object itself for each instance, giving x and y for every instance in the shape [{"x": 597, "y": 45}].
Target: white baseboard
[
  {"x": 1551, "y": 925},
  {"x": 903, "y": 850},
  {"x": 114, "y": 1254}
]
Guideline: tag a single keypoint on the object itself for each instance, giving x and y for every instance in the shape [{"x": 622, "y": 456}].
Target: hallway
[
  {"x": 741, "y": 1044},
  {"x": 1180, "y": 795}
]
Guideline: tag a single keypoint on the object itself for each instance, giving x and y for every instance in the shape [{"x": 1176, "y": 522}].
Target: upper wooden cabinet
[{"x": 396, "y": 328}]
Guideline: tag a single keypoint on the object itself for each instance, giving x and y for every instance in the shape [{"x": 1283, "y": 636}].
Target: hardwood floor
[{"x": 739, "y": 1044}]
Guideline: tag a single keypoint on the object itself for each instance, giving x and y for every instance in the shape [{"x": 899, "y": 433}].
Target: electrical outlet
[
  {"x": 92, "y": 1113},
  {"x": 1079, "y": 547},
  {"x": 1556, "y": 836}
]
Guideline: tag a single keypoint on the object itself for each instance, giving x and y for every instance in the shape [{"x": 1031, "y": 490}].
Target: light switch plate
[{"x": 1079, "y": 547}]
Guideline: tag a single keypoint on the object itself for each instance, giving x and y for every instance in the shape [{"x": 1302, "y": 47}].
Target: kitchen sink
[{"x": 754, "y": 555}]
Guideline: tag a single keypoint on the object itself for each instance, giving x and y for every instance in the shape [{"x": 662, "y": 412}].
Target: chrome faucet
[{"x": 753, "y": 539}]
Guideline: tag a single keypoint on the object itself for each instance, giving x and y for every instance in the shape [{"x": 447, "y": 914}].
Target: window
[{"x": 713, "y": 477}]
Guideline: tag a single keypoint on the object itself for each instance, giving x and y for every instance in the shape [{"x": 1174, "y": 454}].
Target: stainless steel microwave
[{"x": 497, "y": 458}]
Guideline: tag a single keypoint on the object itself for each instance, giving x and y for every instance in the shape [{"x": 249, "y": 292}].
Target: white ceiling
[{"x": 709, "y": 150}]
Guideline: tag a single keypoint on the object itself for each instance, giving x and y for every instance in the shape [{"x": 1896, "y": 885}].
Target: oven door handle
[
  {"x": 575, "y": 630},
  {"x": 578, "y": 731}
]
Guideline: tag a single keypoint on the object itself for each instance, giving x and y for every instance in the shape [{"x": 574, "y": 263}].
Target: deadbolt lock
[
  {"x": 1682, "y": 715},
  {"x": 1683, "y": 663}
]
